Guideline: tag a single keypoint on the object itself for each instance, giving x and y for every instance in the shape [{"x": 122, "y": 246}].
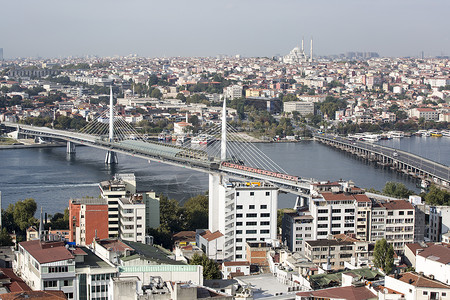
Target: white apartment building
[
  {"x": 394, "y": 221},
  {"x": 242, "y": 212},
  {"x": 122, "y": 185},
  {"x": 297, "y": 228},
  {"x": 434, "y": 261},
  {"x": 424, "y": 112},
  {"x": 414, "y": 286},
  {"x": 132, "y": 218},
  {"x": 46, "y": 266},
  {"x": 233, "y": 92},
  {"x": 303, "y": 108}
]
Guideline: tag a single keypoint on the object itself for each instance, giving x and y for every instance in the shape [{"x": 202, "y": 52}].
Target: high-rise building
[{"x": 242, "y": 212}]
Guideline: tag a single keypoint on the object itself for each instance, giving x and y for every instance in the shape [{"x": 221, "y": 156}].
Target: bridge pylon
[{"x": 111, "y": 156}]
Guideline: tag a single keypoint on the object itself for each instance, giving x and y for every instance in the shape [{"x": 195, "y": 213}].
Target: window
[
  {"x": 322, "y": 225},
  {"x": 264, "y": 223},
  {"x": 322, "y": 218},
  {"x": 410, "y": 212},
  {"x": 264, "y": 231},
  {"x": 238, "y": 240},
  {"x": 263, "y": 206},
  {"x": 239, "y": 248},
  {"x": 267, "y": 193},
  {"x": 50, "y": 283},
  {"x": 390, "y": 213},
  {"x": 337, "y": 218},
  {"x": 251, "y": 215},
  {"x": 349, "y": 210},
  {"x": 239, "y": 256},
  {"x": 238, "y": 223},
  {"x": 251, "y": 223},
  {"x": 250, "y": 231},
  {"x": 424, "y": 293},
  {"x": 252, "y": 193},
  {"x": 349, "y": 217},
  {"x": 322, "y": 233},
  {"x": 58, "y": 269},
  {"x": 238, "y": 215},
  {"x": 401, "y": 213},
  {"x": 238, "y": 206},
  {"x": 68, "y": 282},
  {"x": 265, "y": 215},
  {"x": 238, "y": 231},
  {"x": 251, "y": 207},
  {"x": 322, "y": 211},
  {"x": 237, "y": 194},
  {"x": 336, "y": 211},
  {"x": 444, "y": 294},
  {"x": 336, "y": 225},
  {"x": 69, "y": 295}
]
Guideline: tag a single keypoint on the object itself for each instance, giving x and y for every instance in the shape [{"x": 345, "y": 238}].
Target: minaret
[
  {"x": 311, "y": 58},
  {"x": 111, "y": 156},
  {"x": 41, "y": 227},
  {"x": 303, "y": 43},
  {"x": 223, "y": 148}
]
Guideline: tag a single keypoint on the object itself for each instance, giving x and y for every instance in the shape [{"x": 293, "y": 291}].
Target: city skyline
[{"x": 208, "y": 28}]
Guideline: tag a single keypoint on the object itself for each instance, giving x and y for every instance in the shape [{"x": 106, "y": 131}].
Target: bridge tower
[
  {"x": 223, "y": 145},
  {"x": 111, "y": 156}
]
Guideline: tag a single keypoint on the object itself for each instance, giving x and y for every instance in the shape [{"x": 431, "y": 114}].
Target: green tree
[
  {"x": 196, "y": 212},
  {"x": 396, "y": 189},
  {"x": 5, "y": 238},
  {"x": 23, "y": 213},
  {"x": 210, "y": 268},
  {"x": 156, "y": 93},
  {"x": 437, "y": 196},
  {"x": 383, "y": 256}
]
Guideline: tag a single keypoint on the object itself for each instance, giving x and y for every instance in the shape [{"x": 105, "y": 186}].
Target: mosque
[{"x": 298, "y": 55}]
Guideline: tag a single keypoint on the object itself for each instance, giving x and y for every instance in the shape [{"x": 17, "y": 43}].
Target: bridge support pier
[
  {"x": 111, "y": 158},
  {"x": 70, "y": 149}
]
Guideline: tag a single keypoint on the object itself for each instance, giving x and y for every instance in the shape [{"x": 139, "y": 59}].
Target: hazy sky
[{"x": 54, "y": 28}]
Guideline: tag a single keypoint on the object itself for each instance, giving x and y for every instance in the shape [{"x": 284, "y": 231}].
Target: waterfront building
[
  {"x": 428, "y": 114},
  {"x": 303, "y": 108},
  {"x": 242, "y": 212},
  {"x": 88, "y": 219}
]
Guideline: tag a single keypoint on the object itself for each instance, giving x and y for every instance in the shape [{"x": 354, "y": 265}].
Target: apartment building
[
  {"x": 122, "y": 185},
  {"x": 125, "y": 204},
  {"x": 132, "y": 218},
  {"x": 46, "y": 265},
  {"x": 242, "y": 212},
  {"x": 88, "y": 220},
  {"x": 330, "y": 253},
  {"x": 233, "y": 92},
  {"x": 394, "y": 221},
  {"x": 297, "y": 228},
  {"x": 424, "y": 112},
  {"x": 303, "y": 108}
]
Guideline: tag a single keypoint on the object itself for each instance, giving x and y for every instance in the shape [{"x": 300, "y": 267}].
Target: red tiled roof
[
  {"x": 48, "y": 295},
  {"x": 328, "y": 196},
  {"x": 236, "y": 263},
  {"x": 397, "y": 204},
  {"x": 362, "y": 198},
  {"x": 211, "y": 236},
  {"x": 347, "y": 293},
  {"x": 439, "y": 253},
  {"x": 17, "y": 284},
  {"x": 420, "y": 281},
  {"x": 47, "y": 252}
]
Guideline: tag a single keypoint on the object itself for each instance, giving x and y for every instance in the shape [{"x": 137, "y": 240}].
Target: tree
[
  {"x": 5, "y": 238},
  {"x": 196, "y": 212},
  {"x": 23, "y": 213},
  {"x": 210, "y": 268},
  {"x": 156, "y": 93},
  {"x": 396, "y": 189},
  {"x": 437, "y": 196},
  {"x": 383, "y": 256}
]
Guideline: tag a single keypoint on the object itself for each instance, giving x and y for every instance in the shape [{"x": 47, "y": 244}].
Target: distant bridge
[{"x": 402, "y": 161}]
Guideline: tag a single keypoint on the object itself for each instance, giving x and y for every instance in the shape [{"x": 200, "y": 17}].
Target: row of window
[
  {"x": 253, "y": 223},
  {"x": 263, "y": 206},
  {"x": 253, "y": 231},
  {"x": 99, "y": 288},
  {"x": 254, "y": 215},
  {"x": 253, "y": 194},
  {"x": 59, "y": 269},
  {"x": 100, "y": 277}
]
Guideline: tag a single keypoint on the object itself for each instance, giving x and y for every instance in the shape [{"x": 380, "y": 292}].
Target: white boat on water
[
  {"x": 371, "y": 138},
  {"x": 445, "y": 133},
  {"x": 203, "y": 139},
  {"x": 396, "y": 134}
]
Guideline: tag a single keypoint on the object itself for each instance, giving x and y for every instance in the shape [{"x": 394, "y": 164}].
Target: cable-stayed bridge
[{"x": 218, "y": 149}]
